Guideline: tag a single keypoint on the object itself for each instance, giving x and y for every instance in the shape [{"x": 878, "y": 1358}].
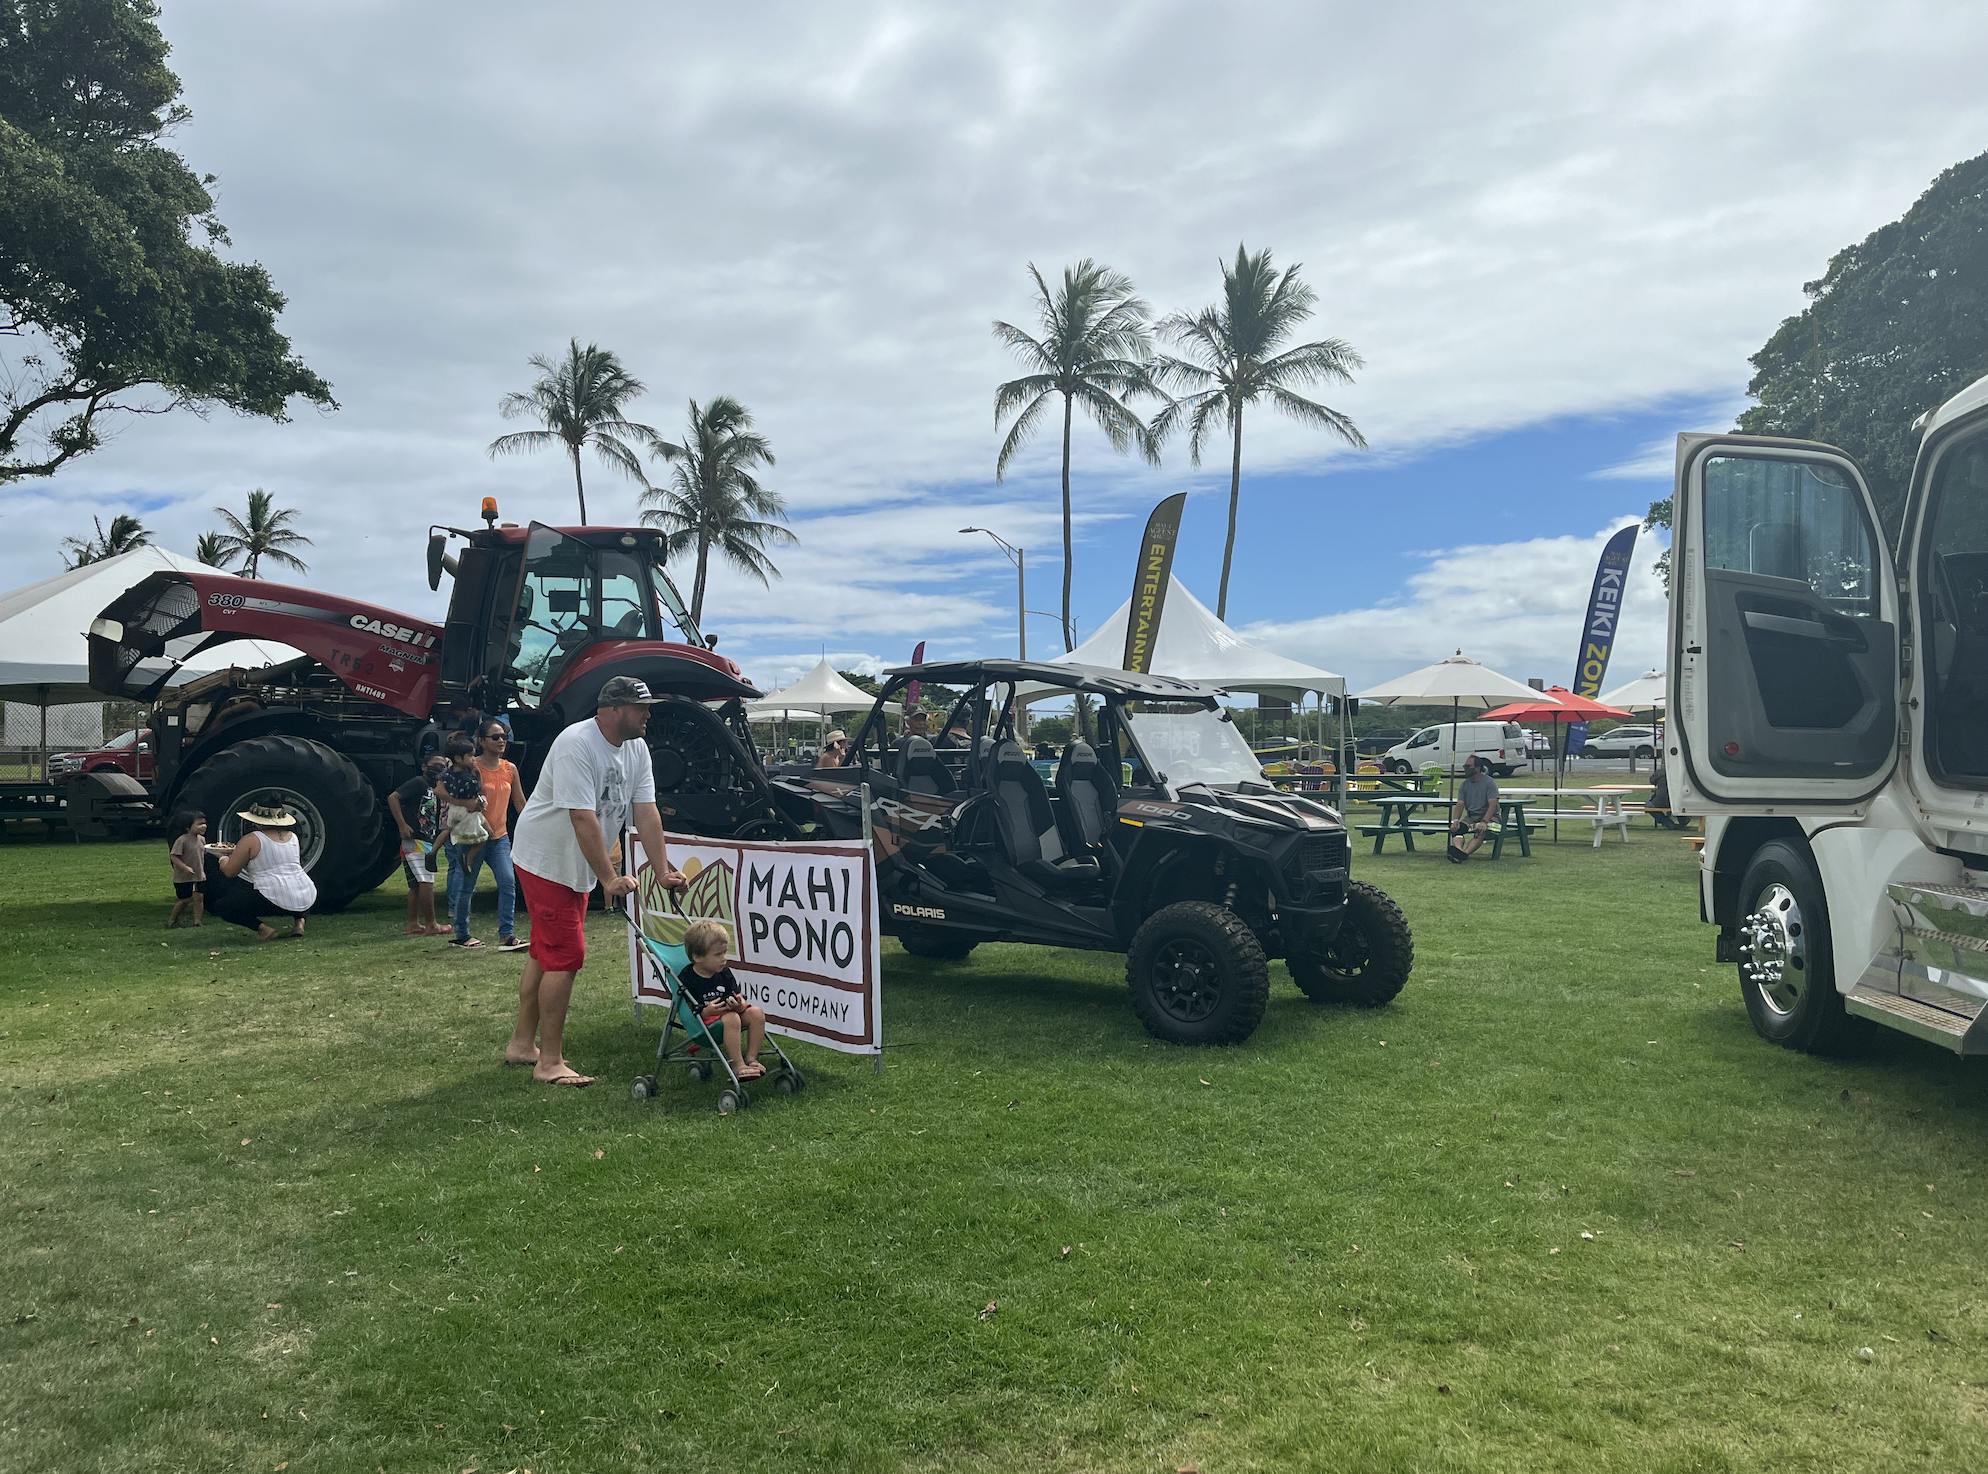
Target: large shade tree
[
  {"x": 124, "y": 533},
  {"x": 713, "y": 501},
  {"x": 1896, "y": 324},
  {"x": 1090, "y": 350},
  {"x": 265, "y": 532},
  {"x": 113, "y": 300},
  {"x": 1234, "y": 354},
  {"x": 580, "y": 401}
]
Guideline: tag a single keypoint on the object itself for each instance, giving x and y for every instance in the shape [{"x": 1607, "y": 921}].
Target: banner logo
[
  {"x": 1149, "y": 583},
  {"x": 803, "y": 924},
  {"x": 1598, "y": 630}
]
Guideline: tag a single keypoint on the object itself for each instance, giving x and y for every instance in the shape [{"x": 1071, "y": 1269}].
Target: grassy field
[{"x": 1555, "y": 1209}]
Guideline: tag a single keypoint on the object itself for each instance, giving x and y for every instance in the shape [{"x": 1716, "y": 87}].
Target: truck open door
[{"x": 1784, "y": 631}]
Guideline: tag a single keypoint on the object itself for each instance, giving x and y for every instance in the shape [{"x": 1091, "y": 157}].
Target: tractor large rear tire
[
  {"x": 337, "y": 811},
  {"x": 1368, "y": 959}
]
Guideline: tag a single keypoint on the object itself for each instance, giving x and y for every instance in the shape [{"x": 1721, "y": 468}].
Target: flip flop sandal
[
  {"x": 753, "y": 1072},
  {"x": 571, "y": 1082},
  {"x": 466, "y": 943}
]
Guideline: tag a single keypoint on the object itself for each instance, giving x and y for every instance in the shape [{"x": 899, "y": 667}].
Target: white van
[{"x": 1500, "y": 745}]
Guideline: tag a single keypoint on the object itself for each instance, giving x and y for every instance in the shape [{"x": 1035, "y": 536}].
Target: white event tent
[
  {"x": 1194, "y": 645},
  {"x": 821, "y": 692},
  {"x": 44, "y": 630},
  {"x": 1645, "y": 693}
]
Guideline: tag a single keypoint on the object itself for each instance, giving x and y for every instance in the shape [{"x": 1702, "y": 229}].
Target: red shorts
[{"x": 559, "y": 922}]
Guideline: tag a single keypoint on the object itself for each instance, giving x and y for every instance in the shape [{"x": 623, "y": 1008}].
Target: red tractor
[{"x": 539, "y": 619}]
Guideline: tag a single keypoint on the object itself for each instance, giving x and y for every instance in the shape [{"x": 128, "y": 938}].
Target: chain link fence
[{"x": 31, "y": 735}]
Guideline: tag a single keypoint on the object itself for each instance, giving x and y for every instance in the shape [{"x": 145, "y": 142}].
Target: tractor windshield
[
  {"x": 576, "y": 593},
  {"x": 1191, "y": 744}
]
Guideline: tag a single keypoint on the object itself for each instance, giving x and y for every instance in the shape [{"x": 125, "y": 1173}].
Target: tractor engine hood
[{"x": 154, "y": 627}]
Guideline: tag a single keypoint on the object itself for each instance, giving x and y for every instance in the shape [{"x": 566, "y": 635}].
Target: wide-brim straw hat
[{"x": 265, "y": 816}]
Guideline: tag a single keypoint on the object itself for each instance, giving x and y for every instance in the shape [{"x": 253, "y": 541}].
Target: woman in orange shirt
[{"x": 503, "y": 799}]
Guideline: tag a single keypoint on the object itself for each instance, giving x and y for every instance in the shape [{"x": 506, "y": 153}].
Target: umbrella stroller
[{"x": 697, "y": 1042}]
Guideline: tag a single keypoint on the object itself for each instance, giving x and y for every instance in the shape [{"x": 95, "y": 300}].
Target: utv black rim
[
  {"x": 1347, "y": 955},
  {"x": 1187, "y": 981}
]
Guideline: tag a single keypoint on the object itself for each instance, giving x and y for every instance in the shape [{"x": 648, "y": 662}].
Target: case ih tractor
[{"x": 538, "y": 620}]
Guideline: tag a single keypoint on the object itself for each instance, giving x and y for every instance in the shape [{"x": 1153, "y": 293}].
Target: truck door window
[
  {"x": 1954, "y": 581},
  {"x": 1800, "y": 650}
]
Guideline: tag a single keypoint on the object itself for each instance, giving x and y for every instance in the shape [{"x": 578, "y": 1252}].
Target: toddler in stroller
[{"x": 709, "y": 1010}]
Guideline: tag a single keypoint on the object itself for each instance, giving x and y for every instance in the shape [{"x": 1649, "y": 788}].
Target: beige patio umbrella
[{"x": 1457, "y": 682}]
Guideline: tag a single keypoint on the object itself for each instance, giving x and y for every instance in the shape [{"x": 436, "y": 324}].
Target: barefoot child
[
  {"x": 413, "y": 806},
  {"x": 188, "y": 862},
  {"x": 714, "y": 993}
]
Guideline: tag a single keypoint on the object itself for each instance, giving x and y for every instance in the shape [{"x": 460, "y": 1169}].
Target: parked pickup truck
[{"x": 130, "y": 754}]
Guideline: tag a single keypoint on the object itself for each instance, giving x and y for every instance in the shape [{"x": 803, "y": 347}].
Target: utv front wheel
[
  {"x": 1197, "y": 975},
  {"x": 940, "y": 946},
  {"x": 1368, "y": 959}
]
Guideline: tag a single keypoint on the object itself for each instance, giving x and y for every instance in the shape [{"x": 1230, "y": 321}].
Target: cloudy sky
[{"x": 1554, "y": 232}]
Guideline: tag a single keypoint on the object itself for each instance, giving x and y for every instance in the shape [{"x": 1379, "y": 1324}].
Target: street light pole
[{"x": 1017, "y": 557}]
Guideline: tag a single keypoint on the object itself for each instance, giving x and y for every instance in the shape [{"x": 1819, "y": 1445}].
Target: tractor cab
[{"x": 536, "y": 610}]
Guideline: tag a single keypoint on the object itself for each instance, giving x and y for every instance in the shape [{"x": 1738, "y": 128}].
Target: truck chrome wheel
[{"x": 1773, "y": 950}]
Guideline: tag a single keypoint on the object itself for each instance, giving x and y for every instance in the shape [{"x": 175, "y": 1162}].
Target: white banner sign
[{"x": 803, "y": 923}]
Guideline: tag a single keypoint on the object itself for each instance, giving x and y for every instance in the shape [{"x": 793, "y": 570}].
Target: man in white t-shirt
[{"x": 596, "y": 779}]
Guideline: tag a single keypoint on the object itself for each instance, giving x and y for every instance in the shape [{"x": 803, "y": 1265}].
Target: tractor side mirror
[
  {"x": 438, "y": 543},
  {"x": 563, "y": 601}
]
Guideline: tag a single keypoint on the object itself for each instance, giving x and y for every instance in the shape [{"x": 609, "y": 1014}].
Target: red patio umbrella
[{"x": 1563, "y": 709}]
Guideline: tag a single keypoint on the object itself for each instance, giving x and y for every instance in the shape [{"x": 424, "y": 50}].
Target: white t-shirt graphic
[{"x": 583, "y": 770}]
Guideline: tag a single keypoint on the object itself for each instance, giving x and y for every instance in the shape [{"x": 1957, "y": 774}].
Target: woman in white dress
[{"x": 263, "y": 873}]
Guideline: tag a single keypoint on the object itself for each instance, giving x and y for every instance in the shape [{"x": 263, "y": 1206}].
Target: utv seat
[
  {"x": 1027, "y": 823},
  {"x": 1087, "y": 799},
  {"x": 919, "y": 769}
]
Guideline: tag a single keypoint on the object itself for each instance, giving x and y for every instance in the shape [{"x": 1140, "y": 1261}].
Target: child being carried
[{"x": 462, "y": 792}]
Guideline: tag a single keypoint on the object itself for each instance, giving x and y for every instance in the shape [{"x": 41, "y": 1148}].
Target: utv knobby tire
[
  {"x": 1368, "y": 959},
  {"x": 1814, "y": 1021},
  {"x": 348, "y": 846},
  {"x": 1197, "y": 975},
  {"x": 939, "y": 946}
]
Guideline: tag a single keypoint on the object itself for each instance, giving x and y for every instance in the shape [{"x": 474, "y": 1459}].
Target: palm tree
[
  {"x": 124, "y": 533},
  {"x": 266, "y": 534},
  {"x": 1238, "y": 357},
  {"x": 713, "y": 501},
  {"x": 579, "y": 400},
  {"x": 210, "y": 548},
  {"x": 1092, "y": 347}
]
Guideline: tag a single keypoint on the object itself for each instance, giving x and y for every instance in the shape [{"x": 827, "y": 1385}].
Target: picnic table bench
[{"x": 1397, "y": 817}]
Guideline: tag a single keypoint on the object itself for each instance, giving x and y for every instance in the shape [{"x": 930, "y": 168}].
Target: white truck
[{"x": 1828, "y": 716}]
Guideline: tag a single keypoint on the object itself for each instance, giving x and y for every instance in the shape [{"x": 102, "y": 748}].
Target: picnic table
[
  {"x": 1398, "y": 818},
  {"x": 1607, "y": 813}
]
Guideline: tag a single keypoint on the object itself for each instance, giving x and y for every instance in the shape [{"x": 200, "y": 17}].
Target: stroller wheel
[
  {"x": 789, "y": 1083},
  {"x": 642, "y": 1089},
  {"x": 700, "y": 1069},
  {"x": 729, "y": 1101}
]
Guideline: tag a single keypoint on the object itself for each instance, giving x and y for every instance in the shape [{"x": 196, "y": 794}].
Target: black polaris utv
[{"x": 1155, "y": 835}]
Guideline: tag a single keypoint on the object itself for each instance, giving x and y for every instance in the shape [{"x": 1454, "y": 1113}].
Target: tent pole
[{"x": 43, "y": 693}]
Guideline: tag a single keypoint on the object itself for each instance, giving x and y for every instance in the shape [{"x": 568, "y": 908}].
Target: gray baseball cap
[{"x": 625, "y": 691}]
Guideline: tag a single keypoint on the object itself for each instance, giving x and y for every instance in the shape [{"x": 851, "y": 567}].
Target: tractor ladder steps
[{"x": 1921, "y": 1020}]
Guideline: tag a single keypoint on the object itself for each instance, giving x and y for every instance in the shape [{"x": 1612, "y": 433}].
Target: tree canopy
[
  {"x": 714, "y": 501},
  {"x": 1895, "y": 325},
  {"x": 124, "y": 533},
  {"x": 266, "y": 532},
  {"x": 113, "y": 297},
  {"x": 580, "y": 400}
]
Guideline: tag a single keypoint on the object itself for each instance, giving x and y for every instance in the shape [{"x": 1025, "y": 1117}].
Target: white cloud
[
  {"x": 1517, "y": 213},
  {"x": 1654, "y": 460},
  {"x": 1518, "y": 607}
]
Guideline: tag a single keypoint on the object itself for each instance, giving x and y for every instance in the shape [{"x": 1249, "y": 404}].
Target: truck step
[
  {"x": 1953, "y": 1031},
  {"x": 1951, "y": 910}
]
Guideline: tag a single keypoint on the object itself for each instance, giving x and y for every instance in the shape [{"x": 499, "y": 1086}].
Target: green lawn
[{"x": 1556, "y": 1208}]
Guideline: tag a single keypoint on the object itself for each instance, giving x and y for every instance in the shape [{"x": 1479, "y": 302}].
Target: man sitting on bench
[{"x": 1475, "y": 811}]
